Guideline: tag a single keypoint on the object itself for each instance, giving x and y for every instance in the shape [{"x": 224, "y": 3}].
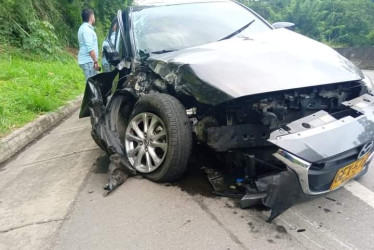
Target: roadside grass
[{"x": 31, "y": 85}]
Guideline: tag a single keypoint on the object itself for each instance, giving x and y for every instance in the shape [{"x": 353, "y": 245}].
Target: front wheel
[{"x": 158, "y": 137}]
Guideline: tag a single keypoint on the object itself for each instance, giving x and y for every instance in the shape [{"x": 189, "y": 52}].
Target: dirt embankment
[{"x": 363, "y": 57}]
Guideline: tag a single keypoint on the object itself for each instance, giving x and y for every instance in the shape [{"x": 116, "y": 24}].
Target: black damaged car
[{"x": 288, "y": 117}]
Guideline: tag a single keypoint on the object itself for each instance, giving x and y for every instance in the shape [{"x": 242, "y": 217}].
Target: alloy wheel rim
[{"x": 146, "y": 142}]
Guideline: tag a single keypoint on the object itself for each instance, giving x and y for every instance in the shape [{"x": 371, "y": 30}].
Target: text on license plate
[{"x": 348, "y": 172}]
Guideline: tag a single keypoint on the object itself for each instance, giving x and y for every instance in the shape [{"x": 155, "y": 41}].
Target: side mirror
[
  {"x": 286, "y": 25},
  {"x": 111, "y": 55}
]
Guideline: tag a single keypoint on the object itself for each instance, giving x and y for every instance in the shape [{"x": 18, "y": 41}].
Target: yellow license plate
[{"x": 348, "y": 172}]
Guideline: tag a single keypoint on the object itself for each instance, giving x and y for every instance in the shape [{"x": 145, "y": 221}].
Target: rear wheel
[{"x": 158, "y": 137}]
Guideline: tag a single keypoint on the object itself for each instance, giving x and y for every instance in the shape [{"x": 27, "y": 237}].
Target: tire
[{"x": 173, "y": 133}]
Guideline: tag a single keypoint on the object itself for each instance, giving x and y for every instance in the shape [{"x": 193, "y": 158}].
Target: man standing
[{"x": 88, "y": 47}]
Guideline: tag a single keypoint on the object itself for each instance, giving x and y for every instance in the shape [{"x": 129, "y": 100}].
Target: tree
[
  {"x": 335, "y": 22},
  {"x": 44, "y": 25}
]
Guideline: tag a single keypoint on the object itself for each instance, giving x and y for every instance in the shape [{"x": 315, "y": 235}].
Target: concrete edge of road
[{"x": 17, "y": 140}]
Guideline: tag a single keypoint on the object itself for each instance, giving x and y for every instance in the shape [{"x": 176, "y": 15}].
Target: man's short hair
[{"x": 86, "y": 14}]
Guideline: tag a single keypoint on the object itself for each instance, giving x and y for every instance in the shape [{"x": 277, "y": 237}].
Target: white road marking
[{"x": 361, "y": 192}]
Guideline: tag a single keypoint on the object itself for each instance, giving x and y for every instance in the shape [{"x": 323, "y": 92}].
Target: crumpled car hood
[{"x": 271, "y": 61}]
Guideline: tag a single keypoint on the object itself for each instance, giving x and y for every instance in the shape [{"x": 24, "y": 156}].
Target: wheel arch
[{"x": 118, "y": 111}]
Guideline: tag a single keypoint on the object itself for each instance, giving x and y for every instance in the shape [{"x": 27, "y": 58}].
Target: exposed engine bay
[{"x": 258, "y": 116}]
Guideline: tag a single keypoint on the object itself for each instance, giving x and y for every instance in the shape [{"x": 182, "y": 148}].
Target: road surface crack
[
  {"x": 31, "y": 224},
  {"x": 59, "y": 157},
  {"x": 205, "y": 208}
]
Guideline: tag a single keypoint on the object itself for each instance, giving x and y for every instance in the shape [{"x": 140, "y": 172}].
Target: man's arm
[{"x": 94, "y": 58}]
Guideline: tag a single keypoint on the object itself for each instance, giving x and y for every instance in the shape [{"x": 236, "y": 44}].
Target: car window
[
  {"x": 176, "y": 27},
  {"x": 114, "y": 37}
]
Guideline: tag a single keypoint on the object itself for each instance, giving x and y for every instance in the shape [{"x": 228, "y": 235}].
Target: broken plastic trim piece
[
  {"x": 118, "y": 173},
  {"x": 250, "y": 200},
  {"x": 283, "y": 191},
  {"x": 278, "y": 192}
]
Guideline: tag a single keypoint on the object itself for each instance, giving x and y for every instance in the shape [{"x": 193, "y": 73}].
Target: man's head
[{"x": 88, "y": 16}]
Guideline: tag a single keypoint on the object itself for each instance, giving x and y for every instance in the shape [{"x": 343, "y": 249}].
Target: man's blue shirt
[{"x": 87, "y": 42}]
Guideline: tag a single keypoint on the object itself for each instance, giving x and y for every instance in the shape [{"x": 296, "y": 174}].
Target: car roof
[{"x": 171, "y": 2}]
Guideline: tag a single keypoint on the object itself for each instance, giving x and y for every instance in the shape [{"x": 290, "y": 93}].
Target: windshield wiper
[
  {"x": 163, "y": 51},
  {"x": 238, "y": 31}
]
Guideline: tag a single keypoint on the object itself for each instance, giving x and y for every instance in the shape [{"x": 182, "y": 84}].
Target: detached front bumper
[
  {"x": 315, "y": 181},
  {"x": 315, "y": 148}
]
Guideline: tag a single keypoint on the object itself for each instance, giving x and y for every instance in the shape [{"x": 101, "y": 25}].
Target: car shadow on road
[{"x": 193, "y": 182}]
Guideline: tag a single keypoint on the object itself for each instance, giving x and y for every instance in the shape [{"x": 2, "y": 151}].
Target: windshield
[{"x": 168, "y": 28}]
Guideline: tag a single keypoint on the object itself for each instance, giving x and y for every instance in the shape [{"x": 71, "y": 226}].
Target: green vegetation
[
  {"x": 44, "y": 26},
  {"x": 335, "y": 22},
  {"x": 37, "y": 74},
  {"x": 31, "y": 85}
]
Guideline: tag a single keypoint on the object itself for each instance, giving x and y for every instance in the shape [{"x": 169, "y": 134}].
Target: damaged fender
[{"x": 105, "y": 131}]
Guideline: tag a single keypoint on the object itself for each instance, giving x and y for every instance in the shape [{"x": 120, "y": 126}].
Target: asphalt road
[{"x": 51, "y": 197}]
